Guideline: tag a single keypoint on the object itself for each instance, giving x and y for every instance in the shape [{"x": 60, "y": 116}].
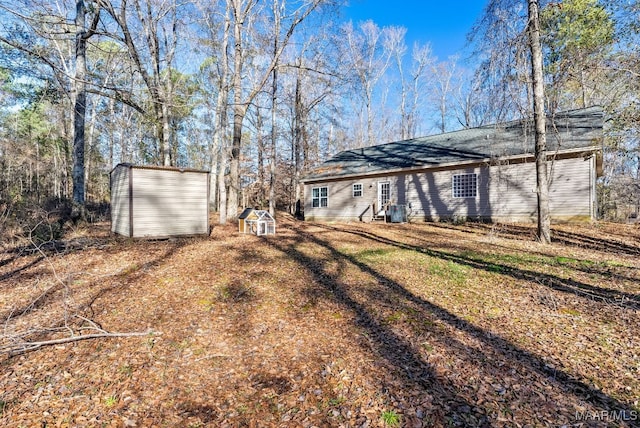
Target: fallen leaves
[{"x": 330, "y": 325}]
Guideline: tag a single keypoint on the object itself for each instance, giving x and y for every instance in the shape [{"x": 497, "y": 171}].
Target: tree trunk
[
  {"x": 539, "y": 117},
  {"x": 239, "y": 111},
  {"x": 369, "y": 137},
  {"x": 404, "y": 120},
  {"x": 274, "y": 134},
  {"x": 213, "y": 177},
  {"x": 274, "y": 154},
  {"x": 261, "y": 195},
  {"x": 79, "y": 111},
  {"x": 218, "y": 154},
  {"x": 297, "y": 132},
  {"x": 90, "y": 144},
  {"x": 112, "y": 138},
  {"x": 222, "y": 185},
  {"x": 166, "y": 134},
  {"x": 222, "y": 156}
]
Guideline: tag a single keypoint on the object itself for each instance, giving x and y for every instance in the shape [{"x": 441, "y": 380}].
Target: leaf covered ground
[{"x": 354, "y": 325}]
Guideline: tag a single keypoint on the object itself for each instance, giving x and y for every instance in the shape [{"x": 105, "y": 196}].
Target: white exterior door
[{"x": 384, "y": 195}]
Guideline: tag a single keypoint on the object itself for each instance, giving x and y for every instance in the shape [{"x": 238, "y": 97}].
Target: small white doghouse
[
  {"x": 257, "y": 222},
  {"x": 159, "y": 202}
]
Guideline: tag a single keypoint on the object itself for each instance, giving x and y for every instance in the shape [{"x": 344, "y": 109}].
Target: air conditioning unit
[{"x": 398, "y": 213}]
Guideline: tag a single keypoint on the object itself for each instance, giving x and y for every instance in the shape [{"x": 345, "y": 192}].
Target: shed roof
[
  {"x": 160, "y": 168},
  {"x": 565, "y": 131}
]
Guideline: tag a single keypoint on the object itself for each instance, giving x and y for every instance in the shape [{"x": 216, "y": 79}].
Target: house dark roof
[{"x": 565, "y": 131}]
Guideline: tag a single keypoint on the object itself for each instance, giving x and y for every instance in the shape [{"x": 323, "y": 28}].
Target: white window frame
[
  {"x": 318, "y": 196},
  {"x": 464, "y": 186},
  {"x": 359, "y": 191}
]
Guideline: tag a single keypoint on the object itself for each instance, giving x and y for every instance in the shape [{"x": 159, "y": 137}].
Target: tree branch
[{"x": 21, "y": 348}]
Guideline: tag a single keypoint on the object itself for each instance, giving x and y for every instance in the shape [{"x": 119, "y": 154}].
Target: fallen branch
[{"x": 21, "y": 348}]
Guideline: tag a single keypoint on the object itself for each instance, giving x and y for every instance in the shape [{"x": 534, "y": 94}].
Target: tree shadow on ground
[
  {"x": 11, "y": 274},
  {"x": 607, "y": 270},
  {"x": 570, "y": 239},
  {"x": 399, "y": 352},
  {"x": 83, "y": 298},
  {"x": 130, "y": 275},
  {"x": 47, "y": 249},
  {"x": 567, "y": 285},
  {"x": 597, "y": 244}
]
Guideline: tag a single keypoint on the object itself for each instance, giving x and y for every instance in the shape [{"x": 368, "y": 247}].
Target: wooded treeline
[{"x": 258, "y": 92}]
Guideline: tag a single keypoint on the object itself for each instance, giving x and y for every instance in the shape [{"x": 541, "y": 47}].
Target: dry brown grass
[{"x": 329, "y": 325}]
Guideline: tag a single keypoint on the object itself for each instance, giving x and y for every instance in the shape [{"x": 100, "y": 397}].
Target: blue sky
[{"x": 443, "y": 23}]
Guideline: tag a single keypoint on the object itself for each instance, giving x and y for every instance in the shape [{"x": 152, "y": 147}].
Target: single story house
[
  {"x": 159, "y": 202},
  {"x": 486, "y": 173}
]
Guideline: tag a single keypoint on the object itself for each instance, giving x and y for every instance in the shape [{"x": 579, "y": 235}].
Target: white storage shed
[{"x": 159, "y": 202}]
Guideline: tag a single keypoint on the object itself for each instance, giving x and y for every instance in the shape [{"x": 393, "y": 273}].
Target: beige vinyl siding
[
  {"x": 514, "y": 198},
  {"x": 169, "y": 203},
  {"x": 505, "y": 193},
  {"x": 120, "y": 219},
  {"x": 342, "y": 204},
  {"x": 512, "y": 192},
  {"x": 430, "y": 196},
  {"x": 164, "y": 202},
  {"x": 570, "y": 191}
]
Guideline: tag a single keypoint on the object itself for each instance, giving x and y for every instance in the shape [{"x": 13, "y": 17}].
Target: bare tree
[
  {"x": 502, "y": 29},
  {"x": 539, "y": 117},
  {"x": 219, "y": 150},
  {"x": 278, "y": 9},
  {"x": 443, "y": 87},
  {"x": 504, "y": 74},
  {"x": 469, "y": 106},
  {"x": 79, "y": 112},
  {"x": 149, "y": 31},
  {"x": 313, "y": 84},
  {"x": 421, "y": 61},
  {"x": 394, "y": 43},
  {"x": 366, "y": 56},
  {"x": 243, "y": 97},
  {"x": 47, "y": 43}
]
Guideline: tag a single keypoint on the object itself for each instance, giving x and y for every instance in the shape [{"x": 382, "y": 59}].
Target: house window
[
  {"x": 320, "y": 197},
  {"x": 357, "y": 190},
  {"x": 465, "y": 185}
]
